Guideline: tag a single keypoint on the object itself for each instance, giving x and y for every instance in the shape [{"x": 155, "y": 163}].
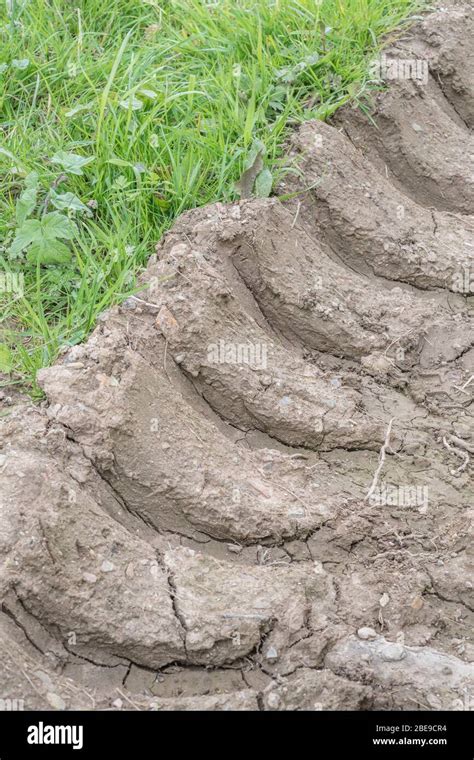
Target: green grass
[{"x": 167, "y": 98}]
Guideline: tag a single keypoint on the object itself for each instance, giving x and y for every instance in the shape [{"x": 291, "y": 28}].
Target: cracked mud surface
[{"x": 252, "y": 487}]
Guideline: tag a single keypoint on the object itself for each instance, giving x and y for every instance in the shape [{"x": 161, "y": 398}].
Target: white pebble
[
  {"x": 393, "y": 653},
  {"x": 366, "y": 633}
]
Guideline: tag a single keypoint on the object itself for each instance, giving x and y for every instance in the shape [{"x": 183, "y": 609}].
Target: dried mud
[{"x": 251, "y": 488}]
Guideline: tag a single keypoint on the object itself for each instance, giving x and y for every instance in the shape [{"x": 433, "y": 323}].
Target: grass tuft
[{"x": 166, "y": 100}]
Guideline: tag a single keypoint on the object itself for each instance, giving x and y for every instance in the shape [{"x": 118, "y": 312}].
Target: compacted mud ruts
[{"x": 252, "y": 487}]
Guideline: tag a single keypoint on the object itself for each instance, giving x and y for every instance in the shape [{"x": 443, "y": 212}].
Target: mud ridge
[{"x": 251, "y": 488}]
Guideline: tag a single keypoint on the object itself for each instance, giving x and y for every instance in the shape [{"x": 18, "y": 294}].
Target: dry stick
[
  {"x": 67, "y": 685},
  {"x": 461, "y": 443},
  {"x": 165, "y": 352},
  {"x": 461, "y": 454},
  {"x": 395, "y": 340},
  {"x": 296, "y": 215},
  {"x": 134, "y": 704},
  {"x": 462, "y": 388},
  {"x": 399, "y": 551},
  {"x": 146, "y": 303},
  {"x": 381, "y": 460}
]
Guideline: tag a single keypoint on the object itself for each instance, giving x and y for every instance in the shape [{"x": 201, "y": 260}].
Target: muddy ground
[{"x": 252, "y": 487}]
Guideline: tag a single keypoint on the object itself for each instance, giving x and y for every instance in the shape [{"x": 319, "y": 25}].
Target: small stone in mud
[
  {"x": 298, "y": 512},
  {"x": 155, "y": 570},
  {"x": 272, "y": 654},
  {"x": 89, "y": 577},
  {"x": 318, "y": 567},
  {"x": 377, "y": 363},
  {"x": 417, "y": 603},
  {"x": 107, "y": 566},
  {"x": 393, "y": 653},
  {"x": 273, "y": 701},
  {"x": 366, "y": 633}
]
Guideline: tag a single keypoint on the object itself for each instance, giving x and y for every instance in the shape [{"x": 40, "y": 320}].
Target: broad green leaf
[
  {"x": 43, "y": 237},
  {"x": 68, "y": 202},
  {"x": 56, "y": 225},
  {"x": 257, "y": 149},
  {"x": 26, "y": 203},
  {"x": 264, "y": 183},
  {"x": 31, "y": 179},
  {"x": 6, "y": 359},
  {"x": 46, "y": 251},
  {"x": 26, "y": 234},
  {"x": 121, "y": 182},
  {"x": 71, "y": 163}
]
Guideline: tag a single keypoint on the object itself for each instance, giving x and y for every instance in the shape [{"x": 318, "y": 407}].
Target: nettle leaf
[
  {"x": 31, "y": 180},
  {"x": 278, "y": 97},
  {"x": 26, "y": 203},
  {"x": 257, "y": 150},
  {"x": 6, "y": 359},
  {"x": 68, "y": 202},
  {"x": 264, "y": 184},
  {"x": 26, "y": 234},
  {"x": 47, "y": 251},
  {"x": 56, "y": 225},
  {"x": 71, "y": 163},
  {"x": 42, "y": 237}
]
